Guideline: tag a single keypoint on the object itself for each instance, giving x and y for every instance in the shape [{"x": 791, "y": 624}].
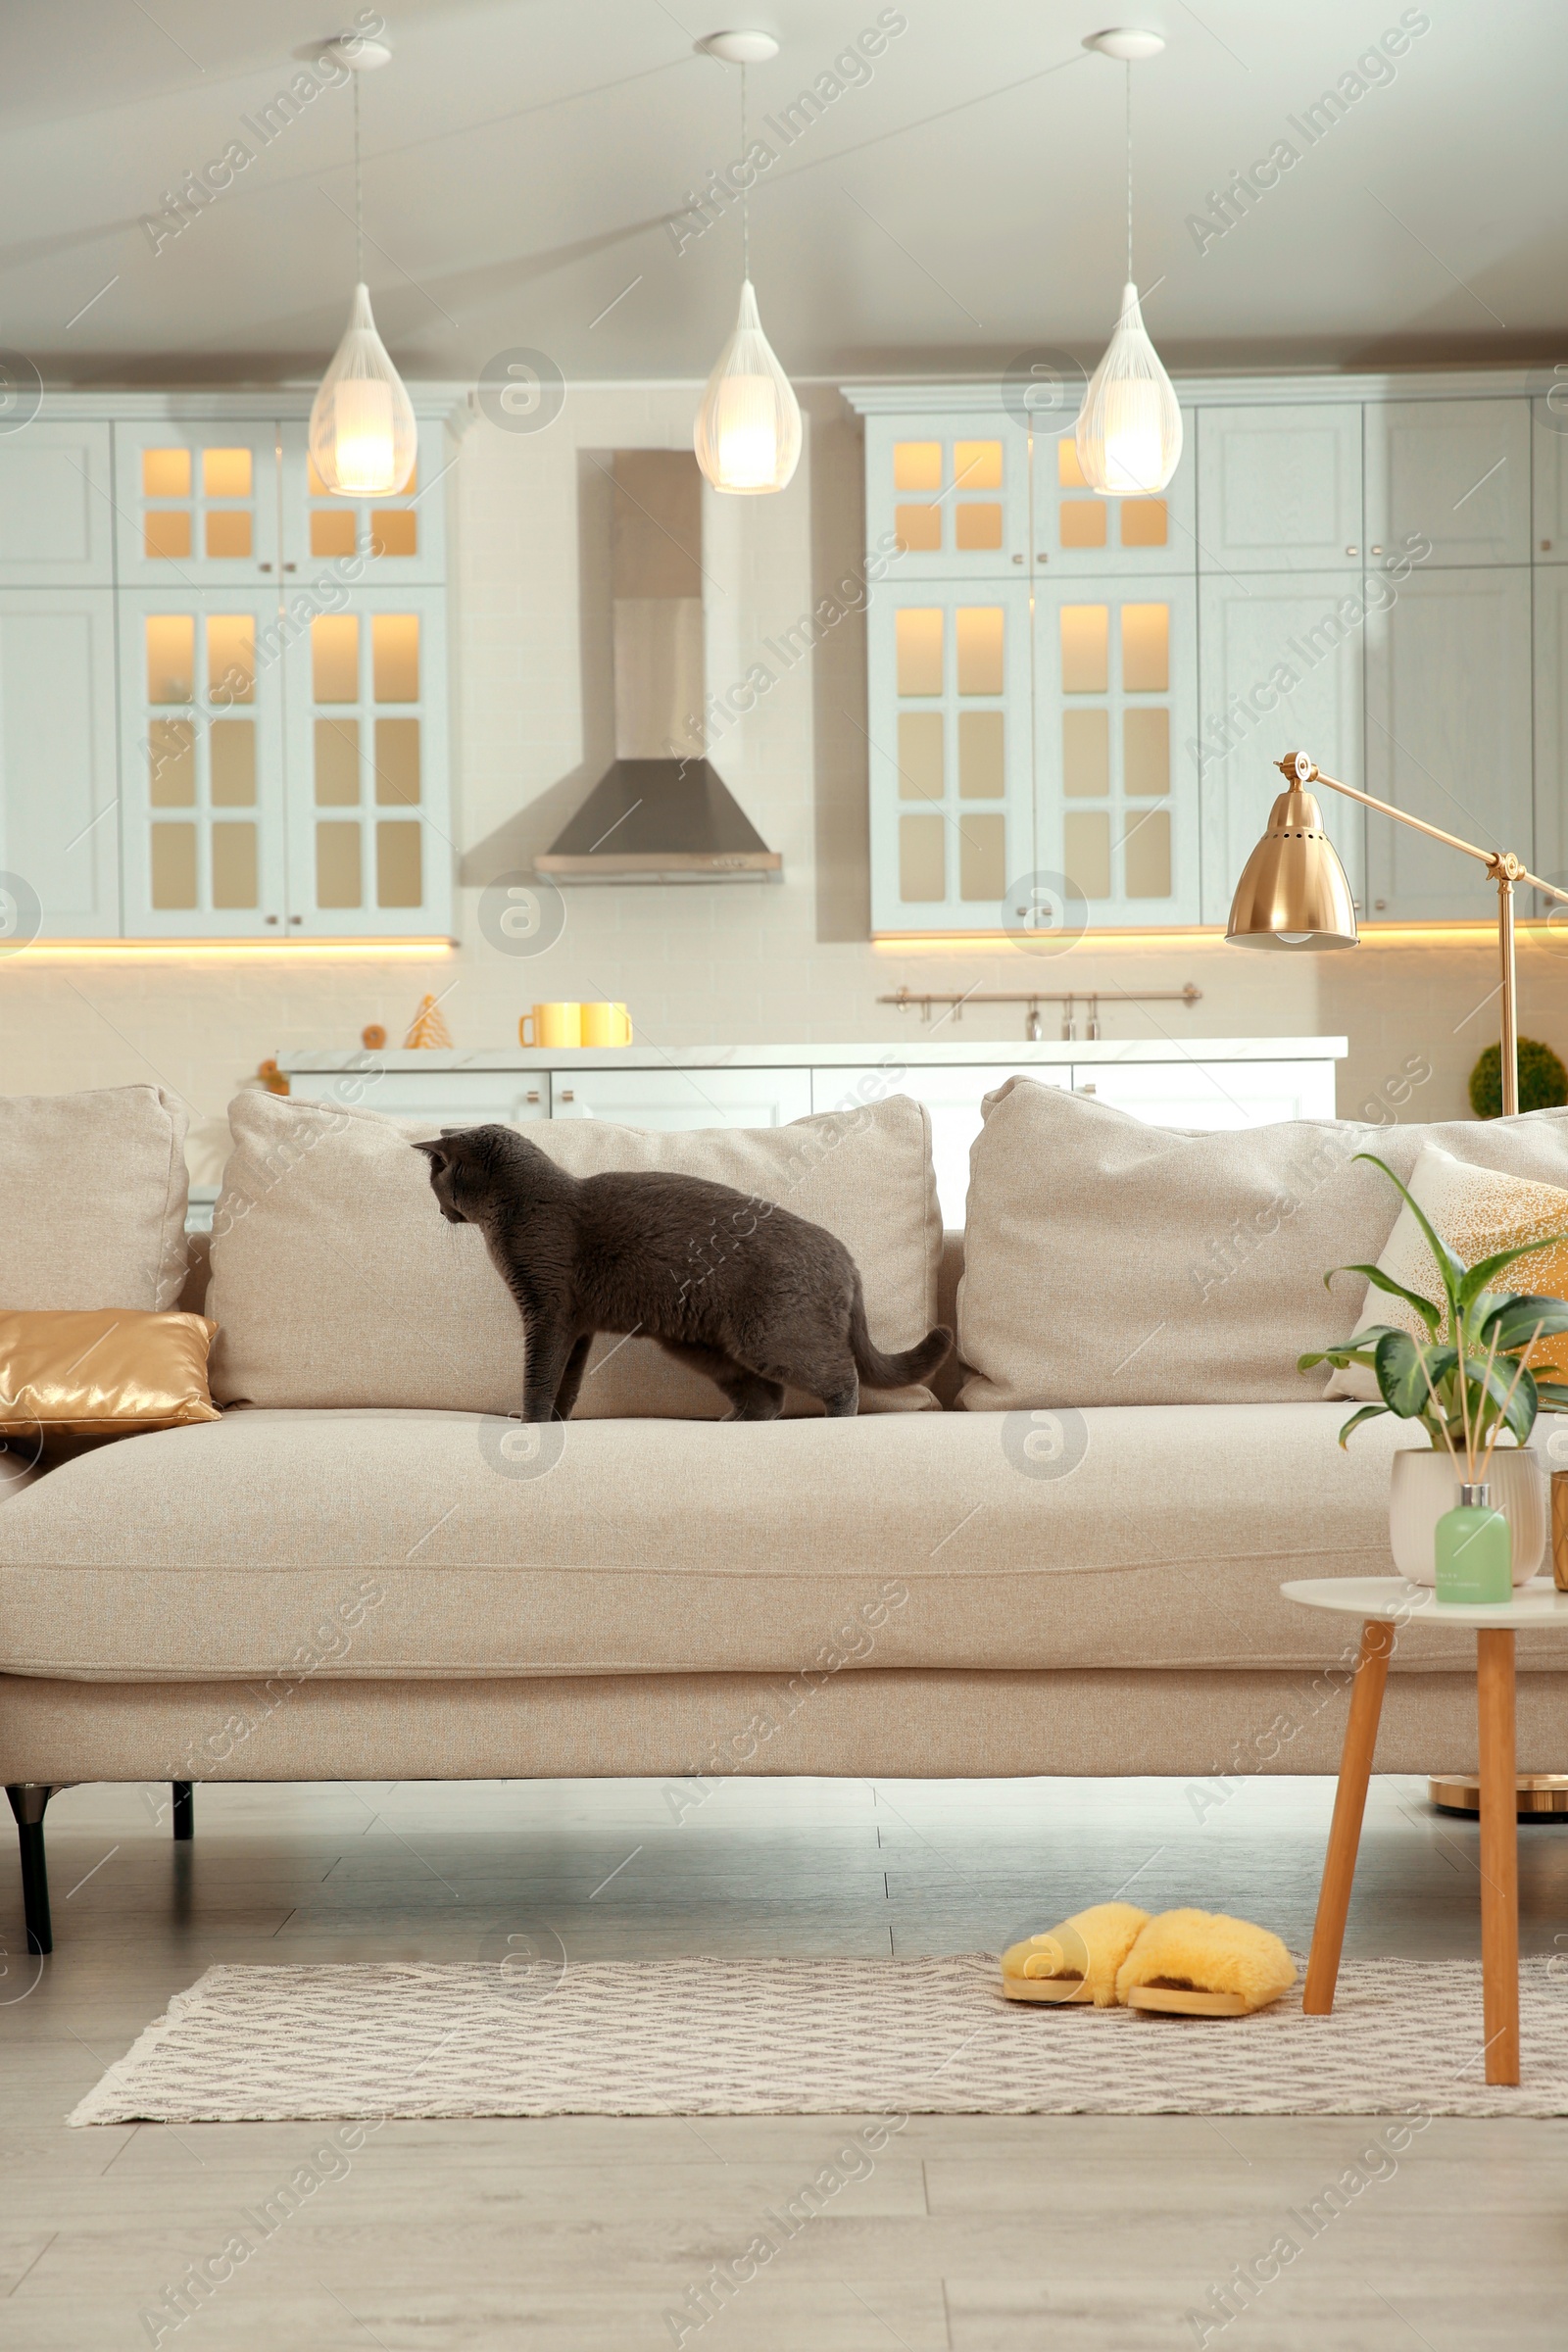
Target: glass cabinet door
[
  {"x": 196, "y": 506},
  {"x": 201, "y": 691},
  {"x": 949, "y": 494},
  {"x": 952, "y": 812},
  {"x": 369, "y": 850},
  {"x": 389, "y": 541},
  {"x": 1117, "y": 799},
  {"x": 1076, "y": 530}
]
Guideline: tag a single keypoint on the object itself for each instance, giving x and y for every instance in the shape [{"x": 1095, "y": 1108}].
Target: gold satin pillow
[{"x": 102, "y": 1371}]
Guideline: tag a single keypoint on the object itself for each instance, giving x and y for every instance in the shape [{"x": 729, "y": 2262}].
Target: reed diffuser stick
[{"x": 1508, "y": 1399}]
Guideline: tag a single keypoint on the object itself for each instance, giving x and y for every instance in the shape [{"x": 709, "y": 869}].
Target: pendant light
[
  {"x": 364, "y": 438},
  {"x": 1129, "y": 429},
  {"x": 748, "y": 431}
]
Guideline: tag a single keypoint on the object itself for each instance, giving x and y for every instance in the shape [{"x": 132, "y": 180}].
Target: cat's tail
[{"x": 879, "y": 1371}]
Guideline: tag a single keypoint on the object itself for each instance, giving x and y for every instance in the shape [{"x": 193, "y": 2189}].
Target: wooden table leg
[
  {"x": 1349, "y": 1803},
  {"x": 1500, "y": 1855}
]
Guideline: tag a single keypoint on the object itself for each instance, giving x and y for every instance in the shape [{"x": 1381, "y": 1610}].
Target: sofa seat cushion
[{"x": 371, "y": 1544}]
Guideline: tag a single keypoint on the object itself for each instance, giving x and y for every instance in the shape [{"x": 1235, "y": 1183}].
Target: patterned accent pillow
[{"x": 1476, "y": 1212}]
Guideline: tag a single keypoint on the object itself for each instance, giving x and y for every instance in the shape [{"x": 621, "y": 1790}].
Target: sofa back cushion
[
  {"x": 93, "y": 1191},
  {"x": 336, "y": 1281},
  {"x": 1109, "y": 1262}
]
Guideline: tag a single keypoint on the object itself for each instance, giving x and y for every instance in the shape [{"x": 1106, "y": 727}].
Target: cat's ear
[{"x": 439, "y": 1156}]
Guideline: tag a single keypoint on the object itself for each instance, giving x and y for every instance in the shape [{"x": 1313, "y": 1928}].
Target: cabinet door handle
[
  {"x": 1353, "y": 551},
  {"x": 296, "y": 918},
  {"x": 534, "y": 1094},
  {"x": 1090, "y": 1089},
  {"x": 272, "y": 918},
  {"x": 566, "y": 1095},
  {"x": 291, "y": 567}
]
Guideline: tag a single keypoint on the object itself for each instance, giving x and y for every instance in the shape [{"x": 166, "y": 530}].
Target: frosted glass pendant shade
[
  {"x": 364, "y": 439},
  {"x": 748, "y": 432},
  {"x": 1129, "y": 429}
]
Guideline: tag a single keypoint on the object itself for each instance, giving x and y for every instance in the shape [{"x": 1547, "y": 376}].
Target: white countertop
[{"x": 916, "y": 1053}]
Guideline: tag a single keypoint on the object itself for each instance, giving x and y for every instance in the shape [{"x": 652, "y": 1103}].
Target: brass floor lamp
[{"x": 1293, "y": 894}]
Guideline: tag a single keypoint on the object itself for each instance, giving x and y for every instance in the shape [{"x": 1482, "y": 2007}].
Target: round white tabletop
[{"x": 1397, "y": 1602}]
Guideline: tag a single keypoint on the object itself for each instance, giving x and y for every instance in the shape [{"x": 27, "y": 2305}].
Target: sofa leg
[
  {"x": 184, "y": 1809},
  {"x": 28, "y": 1802}
]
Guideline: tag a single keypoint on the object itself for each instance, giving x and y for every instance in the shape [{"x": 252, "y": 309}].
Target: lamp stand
[{"x": 1540, "y": 1796}]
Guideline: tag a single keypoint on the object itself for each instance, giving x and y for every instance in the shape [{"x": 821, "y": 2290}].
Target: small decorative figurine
[
  {"x": 271, "y": 1076},
  {"x": 429, "y": 1029}
]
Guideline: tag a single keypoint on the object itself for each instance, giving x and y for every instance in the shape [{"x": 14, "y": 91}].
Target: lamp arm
[{"x": 1502, "y": 864}]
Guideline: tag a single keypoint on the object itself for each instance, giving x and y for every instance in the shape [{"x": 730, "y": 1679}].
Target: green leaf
[
  {"x": 1449, "y": 1267},
  {"x": 1515, "y": 1319},
  {"x": 1367, "y": 1412},
  {"x": 1480, "y": 1274},
  {"x": 1407, "y": 1374},
  {"x": 1489, "y": 1392},
  {"x": 1551, "y": 1397},
  {"x": 1431, "y": 1316}
]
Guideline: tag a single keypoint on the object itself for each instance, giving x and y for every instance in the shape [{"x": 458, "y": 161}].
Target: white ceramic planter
[{"x": 1424, "y": 1486}]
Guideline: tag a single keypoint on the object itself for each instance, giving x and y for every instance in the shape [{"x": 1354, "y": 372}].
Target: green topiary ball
[{"x": 1542, "y": 1080}]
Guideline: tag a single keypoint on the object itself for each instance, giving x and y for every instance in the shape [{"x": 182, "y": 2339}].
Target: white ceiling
[{"x": 962, "y": 205}]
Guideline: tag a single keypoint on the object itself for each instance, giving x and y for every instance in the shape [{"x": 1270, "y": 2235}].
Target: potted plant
[{"x": 1466, "y": 1382}]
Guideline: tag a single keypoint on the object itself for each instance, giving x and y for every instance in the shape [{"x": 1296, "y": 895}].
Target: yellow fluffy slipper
[
  {"x": 1202, "y": 1964},
  {"x": 1077, "y": 1961}
]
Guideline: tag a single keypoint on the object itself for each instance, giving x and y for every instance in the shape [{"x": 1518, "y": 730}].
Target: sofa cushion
[
  {"x": 93, "y": 1192},
  {"x": 336, "y": 1281},
  {"x": 1109, "y": 1262},
  {"x": 444, "y": 1544}
]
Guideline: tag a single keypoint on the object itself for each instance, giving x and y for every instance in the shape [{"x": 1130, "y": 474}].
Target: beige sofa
[{"x": 341, "y": 1578}]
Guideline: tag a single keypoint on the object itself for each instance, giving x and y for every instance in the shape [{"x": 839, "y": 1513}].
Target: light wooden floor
[{"x": 970, "y": 2234}]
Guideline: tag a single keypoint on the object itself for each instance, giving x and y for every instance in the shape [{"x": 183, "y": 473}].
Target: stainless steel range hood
[{"x": 660, "y": 812}]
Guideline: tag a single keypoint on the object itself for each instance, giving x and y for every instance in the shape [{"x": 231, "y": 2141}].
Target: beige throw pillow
[
  {"x": 1476, "y": 1212},
  {"x": 93, "y": 1193},
  {"x": 1109, "y": 1262},
  {"x": 336, "y": 1281}
]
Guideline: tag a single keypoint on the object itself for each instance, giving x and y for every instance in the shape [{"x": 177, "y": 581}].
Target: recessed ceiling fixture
[
  {"x": 748, "y": 431},
  {"x": 362, "y": 435},
  {"x": 1129, "y": 430}
]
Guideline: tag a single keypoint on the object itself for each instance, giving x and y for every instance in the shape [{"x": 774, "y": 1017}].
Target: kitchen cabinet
[
  {"x": 1079, "y": 533},
  {"x": 1213, "y": 1094},
  {"x": 1116, "y": 801},
  {"x": 202, "y": 766},
  {"x": 1287, "y": 524},
  {"x": 1280, "y": 488},
  {"x": 951, "y": 497},
  {"x": 1453, "y": 471},
  {"x": 367, "y": 789},
  {"x": 1205, "y": 1082},
  {"x": 1448, "y": 737},
  {"x": 672, "y": 1100},
  {"x": 231, "y": 503},
  {"x": 1549, "y": 418},
  {"x": 953, "y": 817},
  {"x": 283, "y": 774},
  {"x": 1551, "y": 859},
  {"x": 1280, "y": 669},
  {"x": 57, "y": 505},
  {"x": 59, "y": 818},
  {"x": 953, "y": 1097}
]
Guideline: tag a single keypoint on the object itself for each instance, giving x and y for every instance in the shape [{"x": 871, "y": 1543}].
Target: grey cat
[{"x": 740, "y": 1288}]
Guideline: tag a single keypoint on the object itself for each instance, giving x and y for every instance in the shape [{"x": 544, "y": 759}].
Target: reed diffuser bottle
[{"x": 1474, "y": 1549}]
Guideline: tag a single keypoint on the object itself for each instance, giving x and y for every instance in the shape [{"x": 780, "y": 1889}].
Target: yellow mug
[
  {"x": 605, "y": 1025},
  {"x": 552, "y": 1025}
]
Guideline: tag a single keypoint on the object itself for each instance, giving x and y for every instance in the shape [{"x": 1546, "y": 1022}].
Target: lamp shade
[
  {"x": 1129, "y": 429},
  {"x": 364, "y": 438},
  {"x": 1294, "y": 892},
  {"x": 748, "y": 431}
]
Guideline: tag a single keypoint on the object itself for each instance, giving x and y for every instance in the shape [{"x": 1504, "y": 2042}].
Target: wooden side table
[{"x": 1383, "y": 1603}]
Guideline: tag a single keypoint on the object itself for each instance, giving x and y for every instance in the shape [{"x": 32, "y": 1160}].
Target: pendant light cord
[
  {"x": 1130, "y": 279},
  {"x": 746, "y": 193},
  {"x": 361, "y": 196}
]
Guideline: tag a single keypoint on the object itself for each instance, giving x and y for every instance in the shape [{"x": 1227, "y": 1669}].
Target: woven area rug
[{"x": 806, "y": 2037}]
